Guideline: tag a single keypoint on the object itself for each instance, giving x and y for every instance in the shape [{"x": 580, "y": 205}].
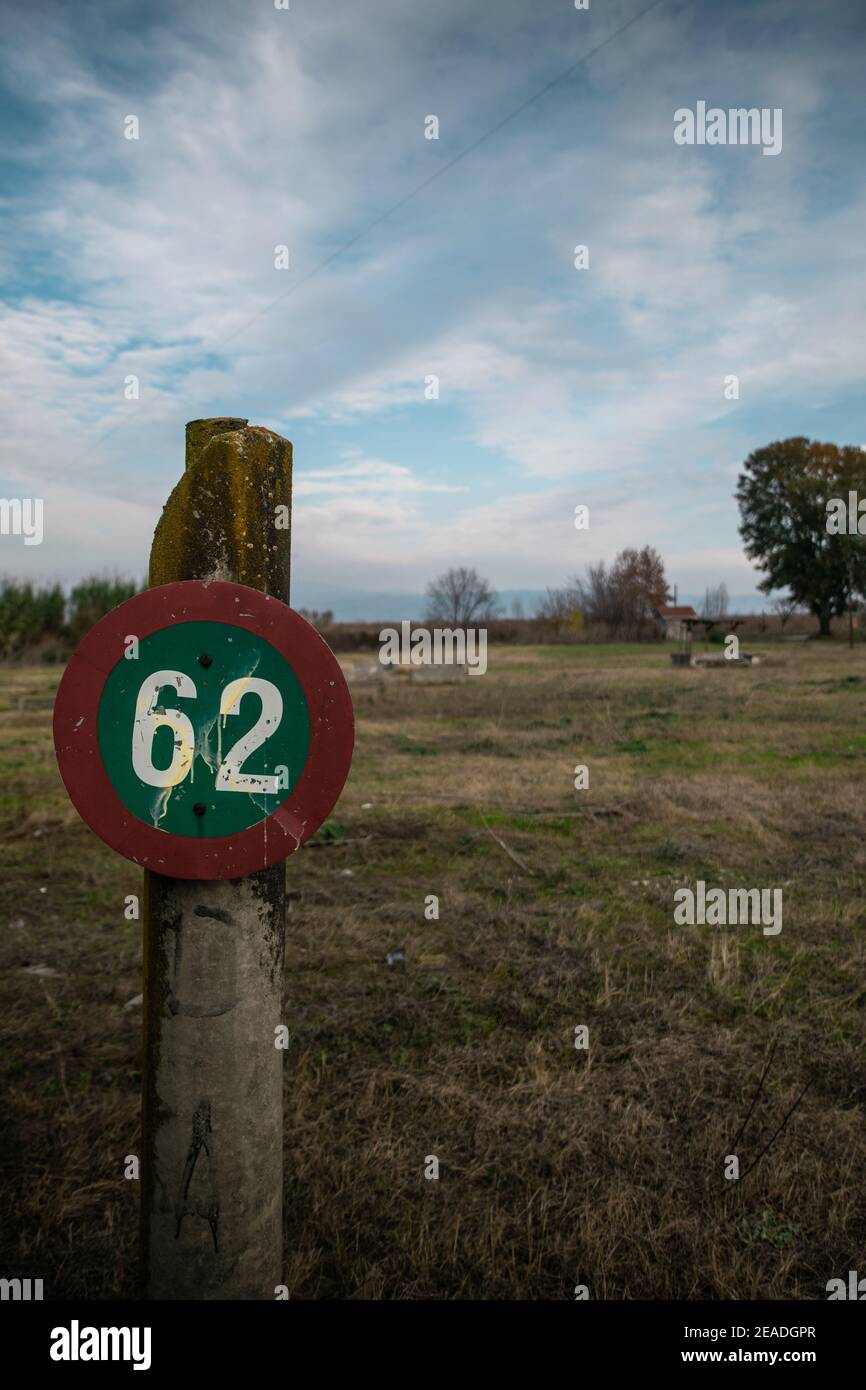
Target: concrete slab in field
[
  {"x": 442, "y": 674},
  {"x": 747, "y": 659},
  {"x": 362, "y": 672},
  {"x": 373, "y": 673}
]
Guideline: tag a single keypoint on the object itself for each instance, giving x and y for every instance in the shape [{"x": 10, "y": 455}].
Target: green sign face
[{"x": 206, "y": 732}]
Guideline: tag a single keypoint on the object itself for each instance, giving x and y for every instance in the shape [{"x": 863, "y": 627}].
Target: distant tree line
[
  {"x": 617, "y": 601},
  {"x": 791, "y": 496},
  {"x": 802, "y": 520},
  {"x": 33, "y": 614},
  {"x": 322, "y": 621}
]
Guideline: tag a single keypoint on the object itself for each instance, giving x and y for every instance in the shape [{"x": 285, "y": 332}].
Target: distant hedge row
[{"x": 32, "y": 615}]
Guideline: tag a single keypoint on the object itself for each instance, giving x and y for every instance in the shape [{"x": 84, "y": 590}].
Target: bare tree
[
  {"x": 596, "y": 595},
  {"x": 623, "y": 598},
  {"x": 460, "y": 596},
  {"x": 784, "y": 609},
  {"x": 559, "y": 608},
  {"x": 716, "y": 602}
]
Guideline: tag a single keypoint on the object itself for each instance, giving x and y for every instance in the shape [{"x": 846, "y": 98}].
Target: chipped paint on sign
[{"x": 228, "y": 738}]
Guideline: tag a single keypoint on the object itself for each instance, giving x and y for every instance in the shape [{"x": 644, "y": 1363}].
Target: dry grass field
[{"x": 558, "y": 1167}]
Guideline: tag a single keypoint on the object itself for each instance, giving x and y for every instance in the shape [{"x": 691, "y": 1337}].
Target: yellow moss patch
[{"x": 221, "y": 520}]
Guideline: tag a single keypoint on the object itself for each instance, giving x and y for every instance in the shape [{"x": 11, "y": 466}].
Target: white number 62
[{"x": 149, "y": 717}]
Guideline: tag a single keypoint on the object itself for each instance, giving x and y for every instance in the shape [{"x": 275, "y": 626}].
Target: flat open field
[{"x": 558, "y": 1167}]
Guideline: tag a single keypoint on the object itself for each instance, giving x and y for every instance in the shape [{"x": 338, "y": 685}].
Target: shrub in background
[{"x": 31, "y": 614}]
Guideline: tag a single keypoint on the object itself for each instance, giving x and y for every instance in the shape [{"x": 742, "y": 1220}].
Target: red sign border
[{"x": 76, "y": 740}]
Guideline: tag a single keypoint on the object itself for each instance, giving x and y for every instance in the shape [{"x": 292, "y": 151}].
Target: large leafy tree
[{"x": 783, "y": 492}]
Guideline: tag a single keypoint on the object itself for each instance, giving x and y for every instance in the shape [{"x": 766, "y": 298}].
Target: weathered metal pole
[{"x": 212, "y": 1112}]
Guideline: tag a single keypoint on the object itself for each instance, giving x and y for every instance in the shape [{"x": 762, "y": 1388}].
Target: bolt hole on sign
[{"x": 203, "y": 729}]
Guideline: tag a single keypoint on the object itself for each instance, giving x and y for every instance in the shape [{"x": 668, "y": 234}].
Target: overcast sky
[{"x": 606, "y": 386}]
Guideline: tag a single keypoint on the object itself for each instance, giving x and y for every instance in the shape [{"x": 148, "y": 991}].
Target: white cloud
[{"x": 155, "y": 257}]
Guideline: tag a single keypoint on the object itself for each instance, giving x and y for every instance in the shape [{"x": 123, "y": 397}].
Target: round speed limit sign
[{"x": 203, "y": 730}]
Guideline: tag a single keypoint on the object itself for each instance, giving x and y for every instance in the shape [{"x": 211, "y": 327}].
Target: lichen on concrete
[{"x": 220, "y": 520}]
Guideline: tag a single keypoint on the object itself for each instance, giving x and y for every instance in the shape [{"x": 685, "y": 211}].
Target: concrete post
[{"x": 212, "y": 1107}]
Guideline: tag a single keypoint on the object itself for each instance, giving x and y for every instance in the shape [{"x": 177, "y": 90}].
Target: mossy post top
[
  {"x": 229, "y": 516},
  {"x": 199, "y": 433}
]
